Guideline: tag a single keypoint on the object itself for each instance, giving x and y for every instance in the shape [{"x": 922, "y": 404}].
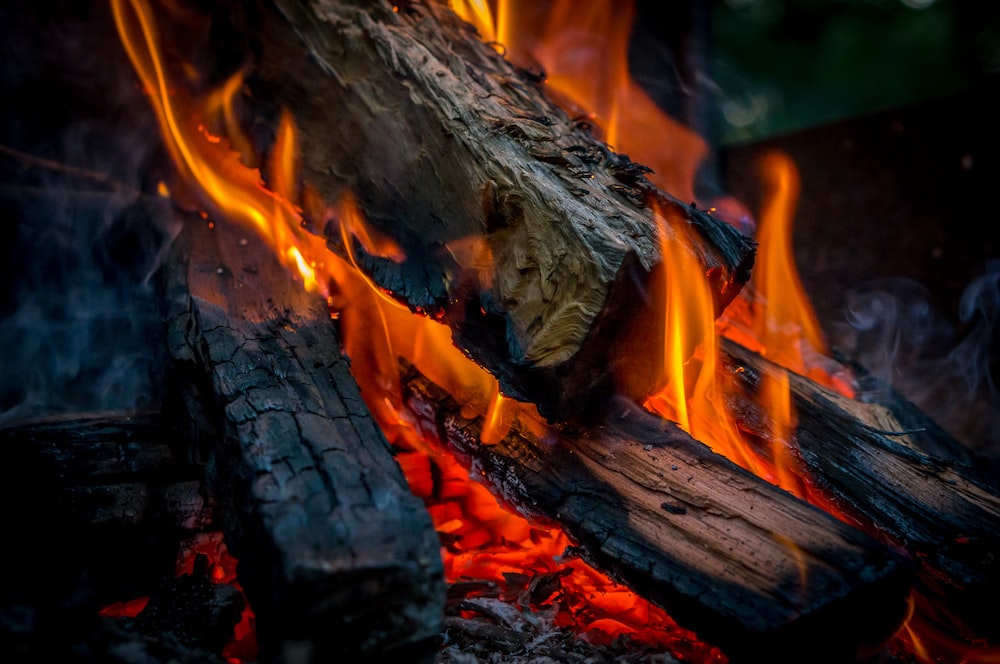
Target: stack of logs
[{"x": 441, "y": 139}]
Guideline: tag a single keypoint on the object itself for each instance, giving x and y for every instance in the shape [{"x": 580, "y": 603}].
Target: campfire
[{"x": 459, "y": 365}]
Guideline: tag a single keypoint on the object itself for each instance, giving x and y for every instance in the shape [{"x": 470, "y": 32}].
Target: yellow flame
[
  {"x": 480, "y": 15},
  {"x": 692, "y": 395}
]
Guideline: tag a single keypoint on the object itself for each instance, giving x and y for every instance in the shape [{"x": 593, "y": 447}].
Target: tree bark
[
  {"x": 745, "y": 565},
  {"x": 336, "y": 555},
  {"x": 531, "y": 236}
]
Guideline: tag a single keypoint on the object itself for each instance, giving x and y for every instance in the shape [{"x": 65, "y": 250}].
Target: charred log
[
  {"x": 745, "y": 565},
  {"x": 889, "y": 466},
  {"x": 98, "y": 505},
  {"x": 336, "y": 556},
  {"x": 530, "y": 235}
]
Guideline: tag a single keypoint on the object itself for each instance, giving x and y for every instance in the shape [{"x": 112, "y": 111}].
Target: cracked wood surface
[
  {"x": 334, "y": 549},
  {"x": 530, "y": 235},
  {"x": 745, "y": 565}
]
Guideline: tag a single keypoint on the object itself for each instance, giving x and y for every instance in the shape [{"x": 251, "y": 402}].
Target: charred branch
[
  {"x": 98, "y": 504},
  {"x": 336, "y": 556},
  {"x": 893, "y": 469}
]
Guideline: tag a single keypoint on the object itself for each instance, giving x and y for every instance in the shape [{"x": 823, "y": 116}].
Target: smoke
[
  {"x": 81, "y": 238},
  {"x": 947, "y": 370}
]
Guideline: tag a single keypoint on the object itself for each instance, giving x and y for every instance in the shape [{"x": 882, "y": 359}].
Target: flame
[
  {"x": 932, "y": 637},
  {"x": 694, "y": 388},
  {"x": 583, "y": 50},
  {"x": 222, "y": 182},
  {"x": 483, "y": 539},
  {"x": 773, "y": 315}
]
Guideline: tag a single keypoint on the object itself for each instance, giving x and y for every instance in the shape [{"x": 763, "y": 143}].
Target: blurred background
[{"x": 784, "y": 65}]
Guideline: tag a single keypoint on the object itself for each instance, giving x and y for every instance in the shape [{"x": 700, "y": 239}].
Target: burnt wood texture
[
  {"x": 745, "y": 565},
  {"x": 337, "y": 557},
  {"x": 529, "y": 235},
  {"x": 894, "y": 472}
]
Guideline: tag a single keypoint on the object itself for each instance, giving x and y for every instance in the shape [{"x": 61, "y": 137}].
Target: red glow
[{"x": 127, "y": 609}]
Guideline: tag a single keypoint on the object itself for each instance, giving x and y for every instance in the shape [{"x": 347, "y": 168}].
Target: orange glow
[
  {"x": 127, "y": 609},
  {"x": 932, "y": 637},
  {"x": 482, "y": 539}
]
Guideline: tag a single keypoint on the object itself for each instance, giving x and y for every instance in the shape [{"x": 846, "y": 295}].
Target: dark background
[{"x": 786, "y": 65}]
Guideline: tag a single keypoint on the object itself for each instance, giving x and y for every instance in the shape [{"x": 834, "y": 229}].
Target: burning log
[
  {"x": 892, "y": 468},
  {"x": 742, "y": 563},
  {"x": 336, "y": 555},
  {"x": 525, "y": 232}
]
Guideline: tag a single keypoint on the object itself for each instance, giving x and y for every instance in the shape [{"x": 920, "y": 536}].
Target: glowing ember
[{"x": 482, "y": 540}]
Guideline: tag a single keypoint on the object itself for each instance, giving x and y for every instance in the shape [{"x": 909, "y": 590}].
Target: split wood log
[
  {"x": 887, "y": 465},
  {"x": 532, "y": 238},
  {"x": 745, "y": 565},
  {"x": 337, "y": 557}
]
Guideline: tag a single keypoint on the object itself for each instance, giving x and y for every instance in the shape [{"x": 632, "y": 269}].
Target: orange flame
[
  {"x": 483, "y": 539},
  {"x": 693, "y": 390},
  {"x": 222, "y": 181},
  {"x": 932, "y": 637},
  {"x": 583, "y": 49},
  {"x": 773, "y": 315}
]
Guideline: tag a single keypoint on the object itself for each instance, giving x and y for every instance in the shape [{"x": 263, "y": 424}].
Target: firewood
[
  {"x": 98, "y": 504},
  {"x": 529, "y": 235},
  {"x": 336, "y": 555},
  {"x": 887, "y": 465},
  {"x": 113, "y": 470},
  {"x": 747, "y": 566}
]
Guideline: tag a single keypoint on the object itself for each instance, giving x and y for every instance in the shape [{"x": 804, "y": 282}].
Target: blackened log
[
  {"x": 98, "y": 505},
  {"x": 532, "y": 237},
  {"x": 897, "y": 473},
  {"x": 747, "y": 566},
  {"x": 337, "y": 557},
  {"x": 114, "y": 469}
]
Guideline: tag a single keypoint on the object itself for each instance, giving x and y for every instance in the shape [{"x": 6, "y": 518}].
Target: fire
[
  {"x": 773, "y": 315},
  {"x": 481, "y": 539},
  {"x": 224, "y": 184},
  {"x": 692, "y": 396},
  {"x": 583, "y": 50}
]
